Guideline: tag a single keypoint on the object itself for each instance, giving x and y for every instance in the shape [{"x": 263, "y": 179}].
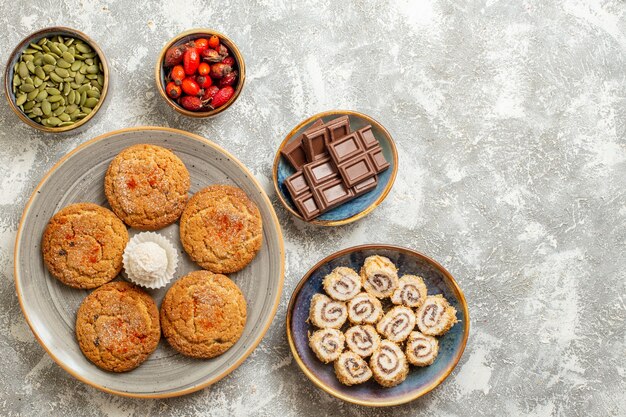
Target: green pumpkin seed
[
  {"x": 61, "y": 72},
  {"x": 22, "y": 70},
  {"x": 37, "y": 111},
  {"x": 21, "y": 99},
  {"x": 55, "y": 106},
  {"x": 68, "y": 57},
  {"x": 93, "y": 93},
  {"x": 54, "y": 77},
  {"x": 75, "y": 113},
  {"x": 83, "y": 88},
  {"x": 71, "y": 108},
  {"x": 52, "y": 91},
  {"x": 38, "y": 61},
  {"x": 69, "y": 41},
  {"x": 28, "y": 57},
  {"x": 86, "y": 110},
  {"x": 49, "y": 59},
  {"x": 46, "y": 48},
  {"x": 33, "y": 94},
  {"x": 75, "y": 86},
  {"x": 79, "y": 78},
  {"x": 54, "y": 121},
  {"x": 29, "y": 51},
  {"x": 82, "y": 48},
  {"x": 37, "y": 81},
  {"x": 54, "y": 48},
  {"x": 61, "y": 63},
  {"x": 91, "y": 102},
  {"x": 91, "y": 76},
  {"x": 28, "y": 80},
  {"x": 27, "y": 88},
  {"x": 62, "y": 47},
  {"x": 90, "y": 55},
  {"x": 55, "y": 98},
  {"x": 63, "y": 124},
  {"x": 42, "y": 95},
  {"x": 29, "y": 105},
  {"x": 75, "y": 65},
  {"x": 92, "y": 69},
  {"x": 48, "y": 68},
  {"x": 65, "y": 117},
  {"x": 83, "y": 98},
  {"x": 35, "y": 46},
  {"x": 59, "y": 110},
  {"x": 46, "y": 108},
  {"x": 16, "y": 80},
  {"x": 67, "y": 89},
  {"x": 71, "y": 96},
  {"x": 39, "y": 72}
]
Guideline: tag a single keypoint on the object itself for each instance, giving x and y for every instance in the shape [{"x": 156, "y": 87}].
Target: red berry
[
  {"x": 177, "y": 74},
  {"x": 222, "y": 96},
  {"x": 229, "y": 60},
  {"x": 204, "y": 81},
  {"x": 214, "y": 42},
  {"x": 173, "y": 90},
  {"x": 219, "y": 70},
  {"x": 228, "y": 79},
  {"x": 223, "y": 50},
  {"x": 174, "y": 55},
  {"x": 190, "y": 87},
  {"x": 204, "y": 68},
  {"x": 210, "y": 92},
  {"x": 191, "y": 61},
  {"x": 191, "y": 103},
  {"x": 211, "y": 55},
  {"x": 201, "y": 44}
]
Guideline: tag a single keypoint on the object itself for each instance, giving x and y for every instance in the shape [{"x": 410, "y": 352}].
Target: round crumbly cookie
[
  {"x": 83, "y": 244},
  {"x": 203, "y": 314},
  {"x": 221, "y": 229},
  {"x": 147, "y": 186},
  {"x": 117, "y": 326}
]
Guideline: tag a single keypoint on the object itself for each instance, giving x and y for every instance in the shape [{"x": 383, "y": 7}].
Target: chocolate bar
[
  {"x": 378, "y": 159},
  {"x": 314, "y": 143},
  {"x": 338, "y": 128},
  {"x": 367, "y": 137},
  {"x": 331, "y": 194},
  {"x": 345, "y": 148},
  {"x": 294, "y": 150},
  {"x": 356, "y": 169},
  {"x": 365, "y": 186},
  {"x": 297, "y": 184},
  {"x": 320, "y": 171},
  {"x": 307, "y": 206}
]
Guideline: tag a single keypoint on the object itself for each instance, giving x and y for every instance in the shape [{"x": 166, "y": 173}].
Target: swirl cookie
[
  {"x": 203, "y": 314},
  {"x": 362, "y": 340},
  {"x": 389, "y": 364},
  {"x": 342, "y": 283},
  {"x": 83, "y": 245},
  {"x": 421, "y": 350},
  {"x": 435, "y": 316},
  {"x": 327, "y": 313},
  {"x": 147, "y": 186},
  {"x": 397, "y": 324},
  {"x": 364, "y": 309},
  {"x": 379, "y": 276},
  {"x": 221, "y": 229},
  {"x": 117, "y": 326},
  {"x": 411, "y": 291},
  {"x": 351, "y": 369},
  {"x": 327, "y": 344}
]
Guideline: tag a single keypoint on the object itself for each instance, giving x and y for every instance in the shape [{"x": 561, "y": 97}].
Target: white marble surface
[{"x": 509, "y": 118}]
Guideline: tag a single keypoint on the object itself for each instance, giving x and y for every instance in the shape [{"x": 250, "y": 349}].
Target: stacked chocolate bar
[{"x": 333, "y": 165}]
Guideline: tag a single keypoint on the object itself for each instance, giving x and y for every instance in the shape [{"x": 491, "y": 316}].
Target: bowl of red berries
[{"x": 200, "y": 73}]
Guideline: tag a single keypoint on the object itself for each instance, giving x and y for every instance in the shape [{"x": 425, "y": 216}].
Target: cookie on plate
[
  {"x": 147, "y": 186},
  {"x": 221, "y": 229},
  {"x": 117, "y": 326},
  {"x": 83, "y": 244},
  {"x": 203, "y": 314}
]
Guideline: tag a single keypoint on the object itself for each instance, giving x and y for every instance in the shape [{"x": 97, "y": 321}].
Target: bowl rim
[
  {"x": 281, "y": 250},
  {"x": 409, "y": 396},
  {"x": 8, "y": 81},
  {"x": 232, "y": 46},
  {"x": 360, "y": 214}
]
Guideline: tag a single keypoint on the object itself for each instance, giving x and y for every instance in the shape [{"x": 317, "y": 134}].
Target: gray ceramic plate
[{"x": 50, "y": 307}]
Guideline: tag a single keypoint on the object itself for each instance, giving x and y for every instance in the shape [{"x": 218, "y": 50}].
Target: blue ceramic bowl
[
  {"x": 420, "y": 380},
  {"x": 360, "y": 206}
]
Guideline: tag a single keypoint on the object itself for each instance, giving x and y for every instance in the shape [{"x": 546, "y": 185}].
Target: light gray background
[{"x": 509, "y": 118}]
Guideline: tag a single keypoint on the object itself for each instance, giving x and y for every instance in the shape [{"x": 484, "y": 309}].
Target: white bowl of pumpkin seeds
[{"x": 56, "y": 79}]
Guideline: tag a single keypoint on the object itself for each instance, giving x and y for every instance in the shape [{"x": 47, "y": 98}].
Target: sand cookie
[
  {"x": 351, "y": 369},
  {"x": 203, "y": 314},
  {"x": 117, "y": 326},
  {"x": 362, "y": 340},
  {"x": 221, "y": 229},
  {"x": 379, "y": 276},
  {"x": 147, "y": 186},
  {"x": 389, "y": 364},
  {"x": 327, "y": 344},
  {"x": 421, "y": 350},
  {"x": 411, "y": 291},
  {"x": 397, "y": 324},
  {"x": 83, "y": 245},
  {"x": 435, "y": 316},
  {"x": 364, "y": 309},
  {"x": 327, "y": 313},
  {"x": 342, "y": 283}
]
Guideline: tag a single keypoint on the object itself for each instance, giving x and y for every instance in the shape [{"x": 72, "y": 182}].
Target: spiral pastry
[
  {"x": 411, "y": 291},
  {"x": 351, "y": 369},
  {"x": 327, "y": 313},
  {"x": 421, "y": 350},
  {"x": 435, "y": 316},
  {"x": 389, "y": 365},
  {"x": 342, "y": 283},
  {"x": 379, "y": 276},
  {"x": 327, "y": 344},
  {"x": 362, "y": 340},
  {"x": 364, "y": 309},
  {"x": 397, "y": 324}
]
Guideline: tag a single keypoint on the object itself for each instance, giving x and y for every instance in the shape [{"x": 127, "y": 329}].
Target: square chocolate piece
[
  {"x": 296, "y": 184},
  {"x": 377, "y": 158},
  {"x": 332, "y": 194},
  {"x": 345, "y": 148},
  {"x": 314, "y": 143},
  {"x": 367, "y": 137},
  {"x": 356, "y": 170},
  {"x": 365, "y": 186},
  {"x": 293, "y": 151},
  {"x": 320, "y": 171},
  {"x": 307, "y": 206},
  {"x": 338, "y": 128}
]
